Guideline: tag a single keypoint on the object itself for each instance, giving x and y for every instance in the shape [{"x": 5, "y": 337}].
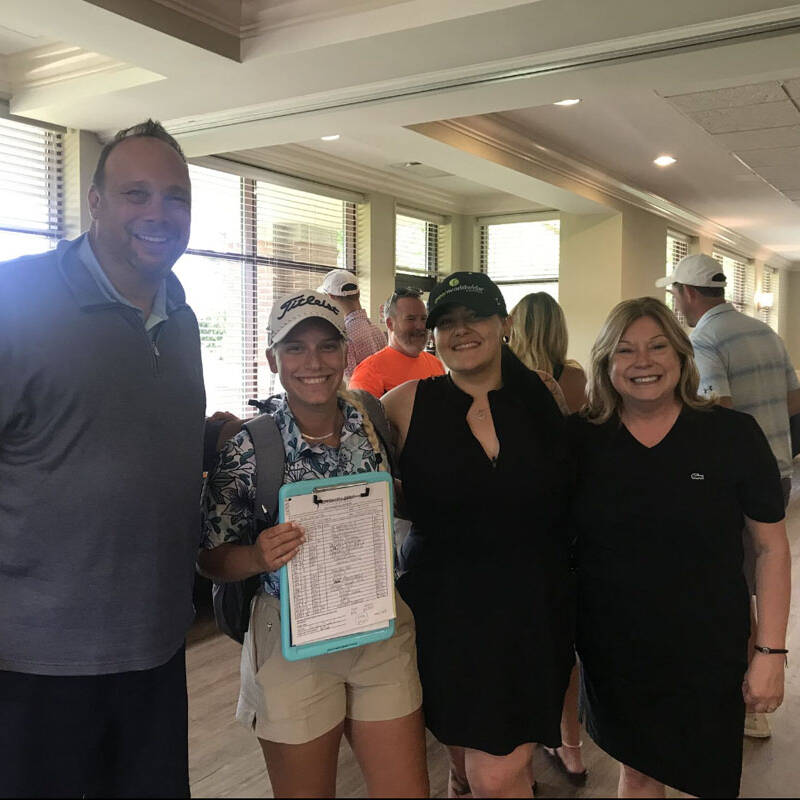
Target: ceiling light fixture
[
  {"x": 664, "y": 161},
  {"x": 332, "y": 138},
  {"x": 572, "y": 102}
]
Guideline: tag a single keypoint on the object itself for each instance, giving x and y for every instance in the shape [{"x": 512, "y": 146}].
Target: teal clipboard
[{"x": 360, "y": 483}]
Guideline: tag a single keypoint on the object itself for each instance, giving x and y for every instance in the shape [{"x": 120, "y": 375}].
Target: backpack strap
[
  {"x": 374, "y": 408},
  {"x": 270, "y": 461}
]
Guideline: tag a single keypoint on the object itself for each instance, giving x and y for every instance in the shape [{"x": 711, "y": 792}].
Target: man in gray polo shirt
[
  {"x": 744, "y": 363},
  {"x": 101, "y": 432}
]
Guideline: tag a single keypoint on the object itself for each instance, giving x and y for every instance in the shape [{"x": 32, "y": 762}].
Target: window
[
  {"x": 770, "y": 289},
  {"x": 677, "y": 248},
  {"x": 31, "y": 175},
  {"x": 521, "y": 257},
  {"x": 740, "y": 277},
  {"x": 251, "y": 242},
  {"x": 417, "y": 246}
]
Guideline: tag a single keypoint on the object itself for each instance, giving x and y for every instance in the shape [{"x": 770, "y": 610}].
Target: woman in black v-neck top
[
  {"x": 665, "y": 483},
  {"x": 487, "y": 573}
]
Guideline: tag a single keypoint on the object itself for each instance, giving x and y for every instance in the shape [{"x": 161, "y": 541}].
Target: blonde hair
[
  {"x": 369, "y": 429},
  {"x": 539, "y": 332},
  {"x": 603, "y": 398}
]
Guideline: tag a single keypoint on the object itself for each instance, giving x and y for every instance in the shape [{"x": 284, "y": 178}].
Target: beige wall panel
[
  {"x": 376, "y": 251},
  {"x": 590, "y": 280},
  {"x": 644, "y": 244},
  {"x": 790, "y": 294}
]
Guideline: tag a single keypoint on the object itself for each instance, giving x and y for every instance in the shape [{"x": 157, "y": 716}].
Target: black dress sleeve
[{"x": 759, "y": 484}]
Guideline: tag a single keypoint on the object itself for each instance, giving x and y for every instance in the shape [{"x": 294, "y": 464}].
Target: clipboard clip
[{"x": 323, "y": 489}]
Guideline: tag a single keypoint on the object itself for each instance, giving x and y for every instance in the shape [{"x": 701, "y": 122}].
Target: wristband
[{"x": 773, "y": 651}]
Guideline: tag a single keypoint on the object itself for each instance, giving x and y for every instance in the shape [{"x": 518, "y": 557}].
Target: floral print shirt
[{"x": 228, "y": 511}]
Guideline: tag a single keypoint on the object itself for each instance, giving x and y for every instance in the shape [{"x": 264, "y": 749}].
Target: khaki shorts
[{"x": 296, "y": 701}]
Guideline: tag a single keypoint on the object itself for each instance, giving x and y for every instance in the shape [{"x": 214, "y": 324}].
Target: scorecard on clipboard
[{"x": 338, "y": 591}]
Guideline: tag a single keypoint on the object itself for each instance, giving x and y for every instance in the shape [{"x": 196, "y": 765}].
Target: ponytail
[{"x": 369, "y": 428}]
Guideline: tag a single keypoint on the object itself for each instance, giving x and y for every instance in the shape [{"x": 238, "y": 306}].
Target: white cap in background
[
  {"x": 696, "y": 270},
  {"x": 340, "y": 283}
]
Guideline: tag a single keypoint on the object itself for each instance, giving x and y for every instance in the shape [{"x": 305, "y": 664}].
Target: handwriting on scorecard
[{"x": 341, "y": 581}]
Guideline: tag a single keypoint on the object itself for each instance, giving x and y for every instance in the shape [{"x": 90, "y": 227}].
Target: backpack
[{"x": 232, "y": 600}]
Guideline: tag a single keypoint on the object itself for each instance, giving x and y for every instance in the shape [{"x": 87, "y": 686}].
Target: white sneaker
[{"x": 757, "y": 726}]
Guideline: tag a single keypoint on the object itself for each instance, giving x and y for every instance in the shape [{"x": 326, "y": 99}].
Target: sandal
[{"x": 575, "y": 778}]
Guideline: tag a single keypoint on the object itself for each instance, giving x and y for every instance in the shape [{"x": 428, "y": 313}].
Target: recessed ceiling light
[
  {"x": 572, "y": 102},
  {"x": 664, "y": 161},
  {"x": 332, "y": 138}
]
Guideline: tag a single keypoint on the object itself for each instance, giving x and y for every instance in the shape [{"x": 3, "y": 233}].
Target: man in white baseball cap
[
  {"x": 744, "y": 363},
  {"x": 693, "y": 271},
  {"x": 363, "y": 337}
]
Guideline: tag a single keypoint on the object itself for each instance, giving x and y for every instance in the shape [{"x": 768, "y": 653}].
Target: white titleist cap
[
  {"x": 696, "y": 270},
  {"x": 291, "y": 309},
  {"x": 339, "y": 282}
]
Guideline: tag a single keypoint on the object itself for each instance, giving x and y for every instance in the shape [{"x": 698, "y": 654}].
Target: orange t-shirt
[{"x": 388, "y": 368}]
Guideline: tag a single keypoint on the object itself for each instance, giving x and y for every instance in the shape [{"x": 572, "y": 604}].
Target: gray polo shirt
[
  {"x": 89, "y": 260},
  {"x": 744, "y": 359},
  {"x": 101, "y": 435}
]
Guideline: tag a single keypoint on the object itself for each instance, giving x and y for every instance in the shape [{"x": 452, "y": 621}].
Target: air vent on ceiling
[{"x": 420, "y": 170}]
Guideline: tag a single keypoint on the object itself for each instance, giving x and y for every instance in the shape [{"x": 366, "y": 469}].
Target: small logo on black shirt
[{"x": 697, "y": 476}]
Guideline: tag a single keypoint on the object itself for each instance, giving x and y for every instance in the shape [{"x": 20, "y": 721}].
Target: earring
[{"x": 505, "y": 340}]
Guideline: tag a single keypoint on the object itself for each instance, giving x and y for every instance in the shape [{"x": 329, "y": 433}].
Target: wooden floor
[{"x": 225, "y": 759}]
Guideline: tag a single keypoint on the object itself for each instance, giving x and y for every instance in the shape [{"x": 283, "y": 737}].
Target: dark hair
[
  {"x": 708, "y": 291},
  {"x": 147, "y": 129},
  {"x": 399, "y": 294}
]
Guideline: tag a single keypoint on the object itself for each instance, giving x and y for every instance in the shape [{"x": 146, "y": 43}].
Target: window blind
[
  {"x": 771, "y": 284},
  {"x": 252, "y": 242},
  {"x": 677, "y": 248},
  {"x": 416, "y": 246},
  {"x": 521, "y": 257},
  {"x": 31, "y": 188},
  {"x": 740, "y": 277}
]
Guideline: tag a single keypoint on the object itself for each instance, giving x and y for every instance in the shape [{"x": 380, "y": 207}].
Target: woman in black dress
[
  {"x": 666, "y": 482},
  {"x": 485, "y": 476}
]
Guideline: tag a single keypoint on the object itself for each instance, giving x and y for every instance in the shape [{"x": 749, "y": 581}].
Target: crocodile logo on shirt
[{"x": 697, "y": 476}]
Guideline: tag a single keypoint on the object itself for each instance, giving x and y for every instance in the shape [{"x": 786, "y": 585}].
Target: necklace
[
  {"x": 480, "y": 413},
  {"x": 309, "y": 437},
  {"x": 316, "y": 438}
]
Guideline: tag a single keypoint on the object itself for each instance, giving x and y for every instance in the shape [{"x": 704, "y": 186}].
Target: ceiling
[{"x": 463, "y": 86}]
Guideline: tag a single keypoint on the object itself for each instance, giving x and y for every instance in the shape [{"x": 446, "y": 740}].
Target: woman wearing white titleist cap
[
  {"x": 299, "y": 710},
  {"x": 485, "y": 472},
  {"x": 666, "y": 481}
]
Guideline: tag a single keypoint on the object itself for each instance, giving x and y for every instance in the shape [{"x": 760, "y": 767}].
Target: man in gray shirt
[
  {"x": 101, "y": 430},
  {"x": 744, "y": 363}
]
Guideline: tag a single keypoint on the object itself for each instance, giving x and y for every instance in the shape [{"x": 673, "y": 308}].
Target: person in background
[
  {"x": 404, "y": 358},
  {"x": 101, "y": 441},
  {"x": 744, "y": 365},
  {"x": 486, "y": 473},
  {"x": 539, "y": 339},
  {"x": 666, "y": 480},
  {"x": 299, "y": 710},
  {"x": 363, "y": 337}
]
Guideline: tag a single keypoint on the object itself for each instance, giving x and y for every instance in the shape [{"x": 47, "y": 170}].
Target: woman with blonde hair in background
[
  {"x": 665, "y": 483},
  {"x": 299, "y": 710},
  {"x": 539, "y": 339}
]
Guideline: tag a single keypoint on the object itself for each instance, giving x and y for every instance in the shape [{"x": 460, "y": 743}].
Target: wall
[
  {"x": 590, "y": 281},
  {"x": 790, "y": 298},
  {"x": 81, "y": 151}
]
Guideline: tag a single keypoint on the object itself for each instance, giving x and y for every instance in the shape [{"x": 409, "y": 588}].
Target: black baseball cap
[{"x": 474, "y": 290}]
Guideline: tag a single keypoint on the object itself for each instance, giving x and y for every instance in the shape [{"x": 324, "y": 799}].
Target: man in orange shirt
[{"x": 405, "y": 358}]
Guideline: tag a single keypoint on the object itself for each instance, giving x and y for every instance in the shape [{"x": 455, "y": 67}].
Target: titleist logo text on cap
[{"x": 302, "y": 300}]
